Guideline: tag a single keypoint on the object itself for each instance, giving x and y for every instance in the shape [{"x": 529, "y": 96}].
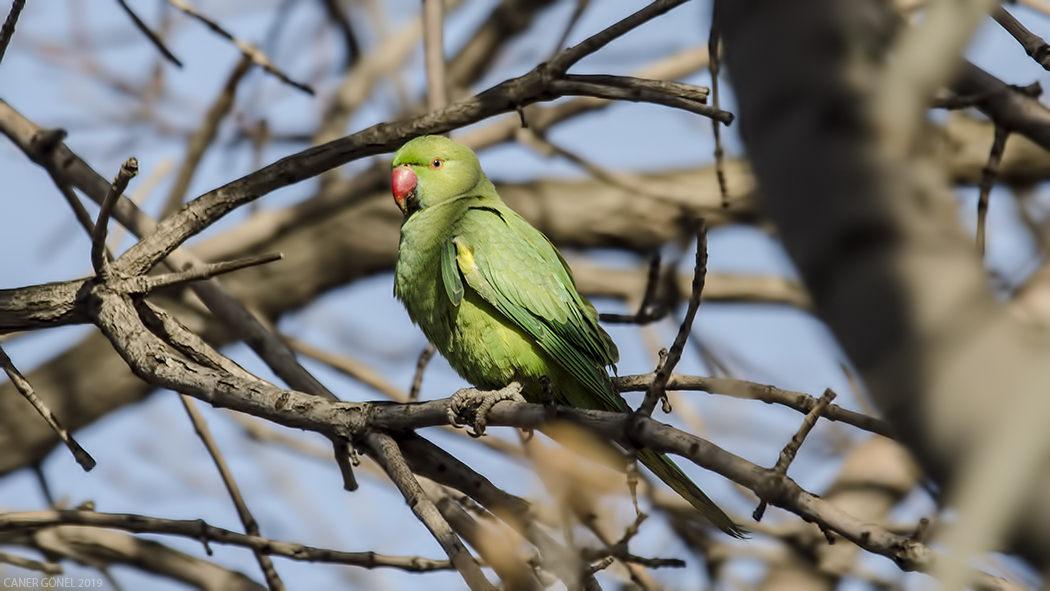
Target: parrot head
[{"x": 432, "y": 169}]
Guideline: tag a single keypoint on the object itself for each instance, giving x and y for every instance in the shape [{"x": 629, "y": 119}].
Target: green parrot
[{"x": 497, "y": 299}]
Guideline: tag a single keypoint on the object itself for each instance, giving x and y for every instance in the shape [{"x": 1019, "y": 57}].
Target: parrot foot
[{"x": 480, "y": 403}]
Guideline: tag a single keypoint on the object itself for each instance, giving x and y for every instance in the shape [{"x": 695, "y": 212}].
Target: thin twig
[
  {"x": 251, "y": 527},
  {"x": 1034, "y": 45},
  {"x": 713, "y": 44},
  {"x": 98, "y": 235},
  {"x": 988, "y": 175},
  {"x": 417, "y": 381},
  {"x": 567, "y": 58},
  {"x": 197, "y": 529},
  {"x": 638, "y": 90},
  {"x": 787, "y": 455},
  {"x": 577, "y": 12},
  {"x": 490, "y": 539},
  {"x": 1009, "y": 106},
  {"x": 368, "y": 376},
  {"x": 658, "y": 389},
  {"x": 743, "y": 389},
  {"x": 507, "y": 96},
  {"x": 8, "y": 30},
  {"x": 153, "y": 37},
  {"x": 150, "y": 283},
  {"x": 349, "y": 366},
  {"x": 538, "y": 141},
  {"x": 41, "y": 479},
  {"x": 204, "y": 137},
  {"x": 83, "y": 457},
  {"x": 79, "y": 211},
  {"x": 48, "y": 568},
  {"x": 649, "y": 310},
  {"x": 543, "y": 118},
  {"x": 250, "y": 51},
  {"x": 342, "y": 22},
  {"x": 142, "y": 191},
  {"x": 277, "y": 355},
  {"x": 389, "y": 456},
  {"x": 434, "y": 53},
  {"x": 623, "y": 556},
  {"x": 616, "y": 550}
]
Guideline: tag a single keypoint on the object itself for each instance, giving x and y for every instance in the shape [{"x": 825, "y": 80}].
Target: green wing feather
[
  {"x": 450, "y": 274},
  {"x": 521, "y": 274},
  {"x": 524, "y": 277}
]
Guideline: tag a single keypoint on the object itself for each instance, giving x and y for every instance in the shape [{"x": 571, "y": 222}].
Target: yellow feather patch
[{"x": 465, "y": 257}]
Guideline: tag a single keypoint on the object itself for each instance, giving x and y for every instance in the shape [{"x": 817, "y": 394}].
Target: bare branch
[
  {"x": 1007, "y": 106},
  {"x": 650, "y": 309},
  {"x": 988, "y": 176},
  {"x": 567, "y": 58},
  {"x": 1034, "y": 45},
  {"x": 250, "y": 51},
  {"x": 103, "y": 548},
  {"x": 417, "y": 381},
  {"x": 8, "y": 30},
  {"x": 434, "y": 50},
  {"x": 251, "y": 527},
  {"x": 99, "y": 261},
  {"x": 577, "y": 12},
  {"x": 389, "y": 456},
  {"x": 714, "y": 43},
  {"x": 353, "y": 368},
  {"x": 799, "y": 401},
  {"x": 197, "y": 529},
  {"x": 787, "y": 455},
  {"x": 148, "y": 283},
  {"x": 83, "y": 218},
  {"x": 83, "y": 457},
  {"x": 342, "y": 22},
  {"x": 623, "y": 88},
  {"x": 538, "y": 85},
  {"x": 48, "y": 568},
  {"x": 153, "y": 37},
  {"x": 203, "y": 138},
  {"x": 658, "y": 388}
]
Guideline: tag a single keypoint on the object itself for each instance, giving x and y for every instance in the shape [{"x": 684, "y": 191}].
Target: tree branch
[{"x": 199, "y": 530}]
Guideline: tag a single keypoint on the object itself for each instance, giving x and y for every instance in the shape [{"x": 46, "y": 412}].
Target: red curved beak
[{"x": 403, "y": 185}]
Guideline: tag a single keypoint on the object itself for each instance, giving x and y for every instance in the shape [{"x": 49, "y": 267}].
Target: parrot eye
[{"x": 437, "y": 163}]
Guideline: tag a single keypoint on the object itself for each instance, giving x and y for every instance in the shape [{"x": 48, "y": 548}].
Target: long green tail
[{"x": 673, "y": 477}]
